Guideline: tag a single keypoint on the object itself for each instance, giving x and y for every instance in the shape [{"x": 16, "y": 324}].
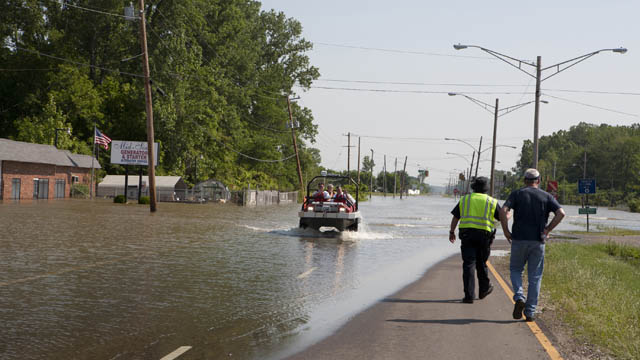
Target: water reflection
[{"x": 87, "y": 280}]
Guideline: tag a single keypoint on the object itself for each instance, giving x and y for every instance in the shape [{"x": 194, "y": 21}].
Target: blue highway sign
[{"x": 587, "y": 186}]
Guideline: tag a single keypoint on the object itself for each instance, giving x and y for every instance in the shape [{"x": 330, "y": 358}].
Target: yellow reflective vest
[{"x": 476, "y": 212}]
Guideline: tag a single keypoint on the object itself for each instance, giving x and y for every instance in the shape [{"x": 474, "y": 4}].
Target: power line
[
  {"x": 418, "y": 83},
  {"x": 595, "y": 92},
  {"x": 414, "y": 91},
  {"x": 64, "y": 3},
  {"x": 593, "y": 106},
  {"x": 251, "y": 157},
  {"x": 77, "y": 63},
  {"x": 402, "y": 51}
]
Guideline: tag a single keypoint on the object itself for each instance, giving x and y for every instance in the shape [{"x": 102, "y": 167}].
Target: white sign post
[{"x": 131, "y": 153}]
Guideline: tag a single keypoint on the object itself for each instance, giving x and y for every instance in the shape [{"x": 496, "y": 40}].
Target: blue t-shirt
[{"x": 531, "y": 208}]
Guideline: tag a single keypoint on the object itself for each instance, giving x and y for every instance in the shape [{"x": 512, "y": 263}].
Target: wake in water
[{"x": 362, "y": 234}]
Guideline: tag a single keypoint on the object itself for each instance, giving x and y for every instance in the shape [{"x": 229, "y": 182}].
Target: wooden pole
[
  {"x": 384, "y": 179},
  {"x": 493, "y": 150},
  {"x": 295, "y": 145},
  {"x": 371, "y": 187},
  {"x": 404, "y": 170},
  {"x": 358, "y": 162},
  {"x": 149, "y": 110}
]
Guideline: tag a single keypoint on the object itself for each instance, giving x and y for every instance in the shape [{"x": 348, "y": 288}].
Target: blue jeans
[{"x": 530, "y": 252}]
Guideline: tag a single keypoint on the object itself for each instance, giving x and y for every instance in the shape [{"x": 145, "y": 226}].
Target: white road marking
[
  {"x": 177, "y": 352},
  {"x": 306, "y": 273}
]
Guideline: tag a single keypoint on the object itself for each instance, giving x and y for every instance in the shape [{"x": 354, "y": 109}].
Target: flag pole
[{"x": 93, "y": 157}]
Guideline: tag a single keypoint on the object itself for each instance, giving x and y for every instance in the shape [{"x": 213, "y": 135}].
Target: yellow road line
[
  {"x": 306, "y": 273},
  {"x": 176, "y": 353},
  {"x": 535, "y": 329}
]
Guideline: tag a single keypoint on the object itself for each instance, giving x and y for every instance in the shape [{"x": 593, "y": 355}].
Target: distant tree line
[
  {"x": 221, "y": 72},
  {"x": 613, "y": 160}
]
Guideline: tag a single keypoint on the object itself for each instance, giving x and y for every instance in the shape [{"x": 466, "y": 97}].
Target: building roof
[
  {"x": 161, "y": 181},
  {"x": 19, "y": 151}
]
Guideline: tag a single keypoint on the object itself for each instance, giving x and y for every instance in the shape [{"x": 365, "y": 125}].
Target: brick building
[{"x": 36, "y": 171}]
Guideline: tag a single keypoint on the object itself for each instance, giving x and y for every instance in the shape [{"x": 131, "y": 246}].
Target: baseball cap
[{"x": 531, "y": 174}]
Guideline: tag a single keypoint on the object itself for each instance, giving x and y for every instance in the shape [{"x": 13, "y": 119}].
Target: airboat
[{"x": 319, "y": 213}]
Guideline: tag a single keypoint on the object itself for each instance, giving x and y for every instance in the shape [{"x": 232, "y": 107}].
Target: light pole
[
  {"x": 496, "y": 115},
  {"x": 470, "y": 166},
  {"x": 55, "y": 141},
  {"x": 559, "y": 67}
]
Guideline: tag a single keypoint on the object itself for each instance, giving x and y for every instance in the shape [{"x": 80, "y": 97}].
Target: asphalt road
[{"x": 427, "y": 320}]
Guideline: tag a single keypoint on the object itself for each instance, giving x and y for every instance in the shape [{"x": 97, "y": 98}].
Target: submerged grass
[
  {"x": 605, "y": 230},
  {"x": 597, "y": 289}
]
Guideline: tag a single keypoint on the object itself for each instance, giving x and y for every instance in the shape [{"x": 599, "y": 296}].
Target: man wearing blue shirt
[{"x": 531, "y": 208}]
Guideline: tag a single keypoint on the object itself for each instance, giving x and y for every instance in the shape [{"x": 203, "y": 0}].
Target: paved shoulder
[{"x": 428, "y": 320}]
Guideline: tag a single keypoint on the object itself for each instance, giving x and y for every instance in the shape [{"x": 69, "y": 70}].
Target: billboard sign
[{"x": 131, "y": 153}]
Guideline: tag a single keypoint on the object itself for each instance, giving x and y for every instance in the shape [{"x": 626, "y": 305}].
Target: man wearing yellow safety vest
[{"x": 477, "y": 214}]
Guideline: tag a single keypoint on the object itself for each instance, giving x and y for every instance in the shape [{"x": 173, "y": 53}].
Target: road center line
[
  {"x": 177, "y": 352},
  {"x": 306, "y": 273},
  {"x": 535, "y": 329}
]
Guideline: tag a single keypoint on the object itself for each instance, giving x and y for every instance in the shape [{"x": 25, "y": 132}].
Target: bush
[
  {"x": 144, "y": 200},
  {"x": 79, "y": 191},
  {"x": 634, "y": 205},
  {"x": 119, "y": 199}
]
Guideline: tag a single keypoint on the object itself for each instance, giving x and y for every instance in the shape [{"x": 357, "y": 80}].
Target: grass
[
  {"x": 605, "y": 230},
  {"x": 597, "y": 290}
]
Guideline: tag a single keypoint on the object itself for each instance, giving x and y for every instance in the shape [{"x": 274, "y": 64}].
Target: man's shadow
[
  {"x": 454, "y": 321},
  {"x": 412, "y": 301}
]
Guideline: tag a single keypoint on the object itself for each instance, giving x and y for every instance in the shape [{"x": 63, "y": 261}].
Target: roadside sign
[
  {"x": 131, "y": 153},
  {"x": 587, "y": 210},
  {"x": 587, "y": 186}
]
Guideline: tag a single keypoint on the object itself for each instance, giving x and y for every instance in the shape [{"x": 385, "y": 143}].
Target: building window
[
  {"x": 74, "y": 179},
  {"x": 15, "y": 189},
  {"x": 35, "y": 188}
]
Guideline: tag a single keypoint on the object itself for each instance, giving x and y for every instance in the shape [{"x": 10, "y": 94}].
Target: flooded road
[{"x": 96, "y": 280}]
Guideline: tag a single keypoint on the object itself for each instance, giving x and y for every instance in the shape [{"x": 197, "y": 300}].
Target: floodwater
[{"x": 97, "y": 280}]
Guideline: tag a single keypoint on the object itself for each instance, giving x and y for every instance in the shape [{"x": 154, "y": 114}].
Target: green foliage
[
  {"x": 596, "y": 289},
  {"x": 612, "y": 159},
  {"x": 634, "y": 205},
  {"x": 80, "y": 191},
  {"x": 221, "y": 70},
  {"x": 144, "y": 200},
  {"x": 119, "y": 199}
]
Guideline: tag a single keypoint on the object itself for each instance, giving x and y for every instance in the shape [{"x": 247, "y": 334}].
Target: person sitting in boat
[
  {"x": 344, "y": 198},
  {"x": 332, "y": 193},
  {"x": 321, "y": 194},
  {"x": 351, "y": 202}
]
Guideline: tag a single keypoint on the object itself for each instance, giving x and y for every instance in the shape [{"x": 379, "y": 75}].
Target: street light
[
  {"x": 496, "y": 115},
  {"x": 559, "y": 67},
  {"x": 470, "y": 165},
  {"x": 67, "y": 130},
  {"x": 474, "y": 150}
]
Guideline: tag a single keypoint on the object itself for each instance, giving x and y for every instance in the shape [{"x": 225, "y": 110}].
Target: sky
[{"x": 399, "y": 123}]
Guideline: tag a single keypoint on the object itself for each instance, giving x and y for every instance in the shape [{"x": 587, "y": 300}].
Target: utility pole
[
  {"x": 479, "y": 151},
  {"x": 470, "y": 171},
  {"x": 404, "y": 170},
  {"x": 395, "y": 177},
  {"x": 384, "y": 179},
  {"x": 536, "y": 115},
  {"x": 371, "y": 188},
  {"x": 493, "y": 150},
  {"x": 349, "y": 154},
  {"x": 358, "y": 161},
  {"x": 149, "y": 109},
  {"x": 295, "y": 145}
]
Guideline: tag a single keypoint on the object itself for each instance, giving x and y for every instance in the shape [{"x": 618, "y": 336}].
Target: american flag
[{"x": 102, "y": 139}]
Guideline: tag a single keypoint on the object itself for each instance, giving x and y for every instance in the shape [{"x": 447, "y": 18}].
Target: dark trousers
[{"x": 475, "y": 248}]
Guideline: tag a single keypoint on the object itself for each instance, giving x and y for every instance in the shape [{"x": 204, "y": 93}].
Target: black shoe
[
  {"x": 529, "y": 318},
  {"x": 484, "y": 294},
  {"x": 517, "y": 309},
  {"x": 467, "y": 301}
]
